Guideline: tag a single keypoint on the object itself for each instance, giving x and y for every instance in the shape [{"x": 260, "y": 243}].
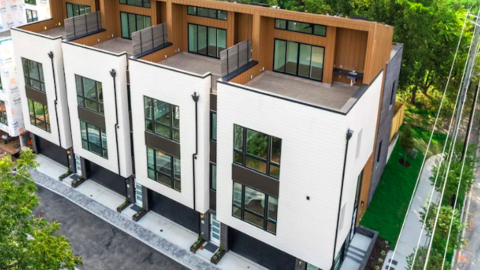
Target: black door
[
  {"x": 174, "y": 211},
  {"x": 258, "y": 251},
  {"x": 51, "y": 151},
  {"x": 106, "y": 178}
]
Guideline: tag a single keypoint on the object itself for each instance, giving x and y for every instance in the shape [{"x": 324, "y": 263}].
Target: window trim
[
  {"x": 31, "y": 11},
  {"x": 211, "y": 175},
  {"x": 3, "y": 113},
  {"x": 392, "y": 93},
  {"x": 298, "y": 59},
  {"x": 242, "y": 208},
  {"x": 171, "y": 127},
  {"x": 172, "y": 169},
  {"x": 101, "y": 131},
  {"x": 78, "y": 6},
  {"x": 216, "y": 37},
  {"x": 142, "y": 6},
  {"x": 216, "y": 13},
  {"x": 28, "y": 78},
  {"x": 99, "y": 104},
  {"x": 211, "y": 126},
  {"x": 48, "y": 127},
  {"x": 244, "y": 153},
  {"x": 379, "y": 151},
  {"x": 291, "y": 21},
  {"x": 128, "y": 23}
]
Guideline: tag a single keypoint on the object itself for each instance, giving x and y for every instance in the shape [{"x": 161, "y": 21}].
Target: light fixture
[
  {"x": 202, "y": 216},
  {"x": 362, "y": 204}
]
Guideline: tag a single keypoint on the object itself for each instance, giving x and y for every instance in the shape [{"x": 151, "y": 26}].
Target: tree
[
  {"x": 434, "y": 261},
  {"x": 406, "y": 141},
  {"x": 27, "y": 241}
]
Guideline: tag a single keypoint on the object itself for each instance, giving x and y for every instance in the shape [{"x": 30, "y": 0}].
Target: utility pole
[{"x": 468, "y": 75}]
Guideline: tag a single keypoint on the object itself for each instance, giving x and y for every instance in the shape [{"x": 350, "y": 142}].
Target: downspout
[
  {"x": 195, "y": 98},
  {"x": 349, "y": 135},
  {"x": 50, "y": 54},
  {"x": 113, "y": 73}
]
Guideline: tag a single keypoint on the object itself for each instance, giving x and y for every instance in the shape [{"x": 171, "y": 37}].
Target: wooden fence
[{"x": 398, "y": 117}]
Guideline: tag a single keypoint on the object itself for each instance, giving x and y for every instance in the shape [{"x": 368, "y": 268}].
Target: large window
[
  {"x": 213, "y": 123},
  {"x": 32, "y": 16},
  {"x": 75, "y": 10},
  {"x": 255, "y": 207},
  {"x": 164, "y": 168},
  {"x": 137, "y": 3},
  {"x": 162, "y": 118},
  {"x": 301, "y": 27},
  {"x": 3, "y": 113},
  {"x": 213, "y": 176},
  {"x": 31, "y": 2},
  {"x": 206, "y": 40},
  {"x": 257, "y": 151},
  {"x": 89, "y": 94},
  {"x": 298, "y": 59},
  {"x": 207, "y": 13},
  {"x": 132, "y": 23},
  {"x": 33, "y": 72},
  {"x": 94, "y": 139},
  {"x": 39, "y": 116}
]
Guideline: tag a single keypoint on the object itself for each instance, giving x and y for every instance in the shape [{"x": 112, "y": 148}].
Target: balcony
[
  {"x": 116, "y": 45},
  {"x": 193, "y": 63},
  {"x": 55, "y": 32}
]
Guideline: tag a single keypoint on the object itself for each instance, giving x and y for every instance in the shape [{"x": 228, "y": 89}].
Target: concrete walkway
[{"x": 413, "y": 226}]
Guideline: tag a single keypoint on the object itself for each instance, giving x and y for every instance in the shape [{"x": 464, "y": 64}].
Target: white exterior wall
[
  {"x": 174, "y": 87},
  {"x": 22, "y": 43},
  {"x": 13, "y": 12},
  {"x": 96, "y": 65}
]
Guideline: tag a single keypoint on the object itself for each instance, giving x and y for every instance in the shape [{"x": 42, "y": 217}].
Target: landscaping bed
[
  {"x": 197, "y": 244},
  {"x": 78, "y": 182},
  {"x": 218, "y": 255},
  {"x": 65, "y": 175},
  {"x": 124, "y": 205},
  {"x": 137, "y": 216},
  {"x": 378, "y": 255}
]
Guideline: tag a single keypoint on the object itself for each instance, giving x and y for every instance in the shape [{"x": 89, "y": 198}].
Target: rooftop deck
[
  {"x": 193, "y": 63},
  {"x": 116, "y": 45},
  {"x": 55, "y": 32},
  {"x": 334, "y": 97}
]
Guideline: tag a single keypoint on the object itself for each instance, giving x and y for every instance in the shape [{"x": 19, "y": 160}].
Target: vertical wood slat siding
[
  {"x": 351, "y": 48},
  {"x": 90, "y": 3},
  {"x": 151, "y": 12},
  {"x": 243, "y": 27},
  {"x": 365, "y": 189}
]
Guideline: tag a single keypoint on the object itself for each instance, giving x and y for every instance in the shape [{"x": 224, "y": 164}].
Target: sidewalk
[
  {"x": 154, "y": 230},
  {"x": 413, "y": 226}
]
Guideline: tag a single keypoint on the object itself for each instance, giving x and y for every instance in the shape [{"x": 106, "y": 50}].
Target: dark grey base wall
[
  {"x": 392, "y": 73},
  {"x": 105, "y": 177},
  {"x": 205, "y": 226},
  {"x": 50, "y": 150}
]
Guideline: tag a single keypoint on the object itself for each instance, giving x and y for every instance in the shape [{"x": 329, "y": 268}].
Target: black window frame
[
  {"x": 392, "y": 95},
  {"x": 216, "y": 41},
  {"x": 32, "y": 12},
  {"x": 34, "y": 119},
  {"x": 172, "y": 169},
  {"x": 287, "y": 23},
  {"x": 128, "y": 24},
  {"x": 298, "y": 59},
  {"x": 101, "y": 131},
  {"x": 31, "y": 2},
  {"x": 171, "y": 127},
  {"x": 3, "y": 113},
  {"x": 379, "y": 151},
  {"x": 99, "y": 103},
  {"x": 217, "y": 11},
  {"x": 77, "y": 6},
  {"x": 213, "y": 131},
  {"x": 212, "y": 164},
  {"x": 28, "y": 79},
  {"x": 144, "y": 2},
  {"x": 265, "y": 217},
  {"x": 268, "y": 160}
]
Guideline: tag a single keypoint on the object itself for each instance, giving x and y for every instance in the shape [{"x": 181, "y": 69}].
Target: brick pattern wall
[
  {"x": 205, "y": 226},
  {"x": 300, "y": 264},
  {"x": 224, "y": 236}
]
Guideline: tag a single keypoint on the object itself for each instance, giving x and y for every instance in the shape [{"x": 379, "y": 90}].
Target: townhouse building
[{"x": 263, "y": 130}]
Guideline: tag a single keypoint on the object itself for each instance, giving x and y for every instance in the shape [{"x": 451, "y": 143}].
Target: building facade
[{"x": 257, "y": 128}]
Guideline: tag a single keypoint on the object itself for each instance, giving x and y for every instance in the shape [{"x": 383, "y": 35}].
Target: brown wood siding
[
  {"x": 90, "y": 3},
  {"x": 243, "y": 29},
  {"x": 151, "y": 12},
  {"x": 378, "y": 50},
  {"x": 161, "y": 12},
  {"x": 351, "y": 46},
  {"x": 56, "y": 12},
  {"x": 364, "y": 190}
]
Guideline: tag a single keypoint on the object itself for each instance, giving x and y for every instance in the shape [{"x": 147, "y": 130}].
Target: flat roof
[
  {"x": 55, "y": 32},
  {"x": 194, "y": 63},
  {"x": 333, "y": 97},
  {"x": 116, "y": 45}
]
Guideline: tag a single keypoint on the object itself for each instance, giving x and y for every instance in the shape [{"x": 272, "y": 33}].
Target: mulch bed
[{"x": 377, "y": 254}]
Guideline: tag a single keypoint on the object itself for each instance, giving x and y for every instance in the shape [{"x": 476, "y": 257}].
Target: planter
[
  {"x": 78, "y": 182},
  {"x": 65, "y": 175},
  {"x": 197, "y": 245},
  {"x": 217, "y": 256},
  {"x": 124, "y": 205},
  {"x": 137, "y": 216}
]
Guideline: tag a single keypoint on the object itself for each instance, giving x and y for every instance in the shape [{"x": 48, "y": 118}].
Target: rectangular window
[
  {"x": 33, "y": 72},
  {"x": 379, "y": 151},
  {"x": 392, "y": 94},
  {"x": 359, "y": 144},
  {"x": 39, "y": 116},
  {"x": 213, "y": 123},
  {"x": 206, "y": 40},
  {"x": 257, "y": 151},
  {"x": 255, "y": 207},
  {"x": 213, "y": 176},
  {"x": 133, "y": 22},
  {"x": 298, "y": 59},
  {"x": 89, "y": 94},
  {"x": 3, "y": 113},
  {"x": 342, "y": 217},
  {"x": 76, "y": 10},
  {"x": 94, "y": 139},
  {"x": 207, "y": 13},
  {"x": 31, "y": 2},
  {"x": 137, "y": 3},
  {"x": 162, "y": 118},
  {"x": 301, "y": 27},
  {"x": 164, "y": 168},
  {"x": 32, "y": 16}
]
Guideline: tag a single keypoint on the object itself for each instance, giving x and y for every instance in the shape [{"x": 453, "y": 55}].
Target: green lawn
[{"x": 389, "y": 205}]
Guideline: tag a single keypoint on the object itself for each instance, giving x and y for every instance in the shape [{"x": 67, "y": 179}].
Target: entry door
[
  {"x": 214, "y": 230},
  {"x": 138, "y": 194}
]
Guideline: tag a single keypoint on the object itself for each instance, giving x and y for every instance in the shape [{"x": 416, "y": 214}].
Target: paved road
[{"x": 101, "y": 245}]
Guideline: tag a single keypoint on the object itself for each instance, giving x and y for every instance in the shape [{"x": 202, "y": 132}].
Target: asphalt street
[{"x": 101, "y": 245}]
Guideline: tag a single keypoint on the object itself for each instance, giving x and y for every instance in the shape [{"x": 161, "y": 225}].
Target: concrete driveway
[{"x": 101, "y": 245}]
